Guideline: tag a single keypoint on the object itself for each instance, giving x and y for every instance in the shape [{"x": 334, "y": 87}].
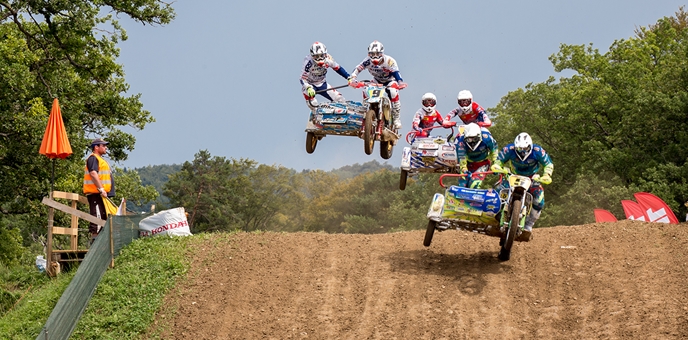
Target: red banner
[
  {"x": 633, "y": 210},
  {"x": 602, "y": 215},
  {"x": 655, "y": 209}
]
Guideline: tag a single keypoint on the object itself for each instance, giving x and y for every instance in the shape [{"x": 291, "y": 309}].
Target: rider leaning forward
[
  {"x": 428, "y": 115},
  {"x": 385, "y": 71},
  {"x": 313, "y": 74},
  {"x": 476, "y": 150},
  {"x": 526, "y": 159},
  {"x": 469, "y": 111}
]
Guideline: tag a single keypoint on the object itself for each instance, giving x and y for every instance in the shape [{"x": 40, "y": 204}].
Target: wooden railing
[{"x": 54, "y": 257}]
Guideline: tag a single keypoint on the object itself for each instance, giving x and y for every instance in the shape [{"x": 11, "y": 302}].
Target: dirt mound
[{"x": 623, "y": 280}]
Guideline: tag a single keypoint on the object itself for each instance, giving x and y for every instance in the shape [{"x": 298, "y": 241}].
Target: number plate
[{"x": 428, "y": 160}]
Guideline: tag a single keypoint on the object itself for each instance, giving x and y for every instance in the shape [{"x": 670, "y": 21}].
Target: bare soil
[{"x": 622, "y": 280}]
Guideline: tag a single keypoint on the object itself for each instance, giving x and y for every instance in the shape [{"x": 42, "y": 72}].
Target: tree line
[{"x": 616, "y": 127}]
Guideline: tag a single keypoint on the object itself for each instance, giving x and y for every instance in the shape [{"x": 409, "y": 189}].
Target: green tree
[
  {"x": 65, "y": 50},
  {"x": 619, "y": 122},
  {"x": 211, "y": 189}
]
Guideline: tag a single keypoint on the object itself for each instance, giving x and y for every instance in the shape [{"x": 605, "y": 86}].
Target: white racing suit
[
  {"x": 313, "y": 75},
  {"x": 386, "y": 73}
]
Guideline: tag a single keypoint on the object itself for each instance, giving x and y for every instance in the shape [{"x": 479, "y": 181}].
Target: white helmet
[
  {"x": 376, "y": 52},
  {"x": 523, "y": 145},
  {"x": 319, "y": 52},
  {"x": 465, "y": 99},
  {"x": 428, "y": 101},
  {"x": 472, "y": 135}
]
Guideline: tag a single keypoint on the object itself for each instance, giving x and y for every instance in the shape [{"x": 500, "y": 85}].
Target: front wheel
[
  {"x": 386, "y": 149},
  {"x": 402, "y": 179},
  {"x": 505, "y": 251},
  {"x": 368, "y": 133},
  {"x": 429, "y": 232},
  {"x": 311, "y": 142}
]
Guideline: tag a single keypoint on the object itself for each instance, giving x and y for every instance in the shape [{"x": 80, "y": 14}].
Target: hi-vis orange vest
[{"x": 104, "y": 174}]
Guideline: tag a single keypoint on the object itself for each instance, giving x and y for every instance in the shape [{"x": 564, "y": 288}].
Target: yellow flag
[{"x": 110, "y": 207}]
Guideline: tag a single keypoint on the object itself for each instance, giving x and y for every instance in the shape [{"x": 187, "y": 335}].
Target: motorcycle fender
[
  {"x": 436, "y": 207},
  {"x": 406, "y": 158},
  {"x": 373, "y": 100}
]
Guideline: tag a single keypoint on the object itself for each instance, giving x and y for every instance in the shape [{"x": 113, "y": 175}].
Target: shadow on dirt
[{"x": 466, "y": 271}]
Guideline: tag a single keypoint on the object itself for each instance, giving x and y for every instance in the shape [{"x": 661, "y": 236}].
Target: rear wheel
[
  {"x": 386, "y": 149},
  {"x": 505, "y": 251},
  {"x": 311, "y": 142},
  {"x": 429, "y": 232},
  {"x": 368, "y": 133},
  {"x": 402, "y": 179}
]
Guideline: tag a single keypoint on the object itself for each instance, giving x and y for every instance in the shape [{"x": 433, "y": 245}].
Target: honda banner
[
  {"x": 655, "y": 209},
  {"x": 634, "y": 211},
  {"x": 170, "y": 222}
]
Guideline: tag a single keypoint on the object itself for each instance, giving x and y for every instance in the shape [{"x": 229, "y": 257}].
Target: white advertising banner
[{"x": 170, "y": 222}]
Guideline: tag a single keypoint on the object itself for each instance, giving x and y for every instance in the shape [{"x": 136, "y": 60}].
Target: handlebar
[
  {"x": 412, "y": 134},
  {"x": 443, "y": 176},
  {"x": 360, "y": 83}
]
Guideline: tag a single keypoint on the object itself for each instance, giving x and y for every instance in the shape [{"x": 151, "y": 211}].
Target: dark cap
[{"x": 98, "y": 141}]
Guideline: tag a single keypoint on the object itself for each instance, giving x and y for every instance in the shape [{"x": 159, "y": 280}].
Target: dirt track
[{"x": 623, "y": 280}]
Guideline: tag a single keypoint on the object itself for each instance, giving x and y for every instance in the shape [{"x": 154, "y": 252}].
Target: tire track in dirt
[{"x": 622, "y": 280}]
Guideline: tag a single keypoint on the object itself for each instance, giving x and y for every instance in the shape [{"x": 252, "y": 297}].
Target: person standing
[{"x": 98, "y": 183}]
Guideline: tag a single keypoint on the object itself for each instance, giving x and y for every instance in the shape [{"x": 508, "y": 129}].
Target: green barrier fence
[{"x": 119, "y": 231}]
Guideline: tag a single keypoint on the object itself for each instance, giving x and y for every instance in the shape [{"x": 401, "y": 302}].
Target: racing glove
[
  {"x": 546, "y": 179},
  {"x": 499, "y": 169},
  {"x": 402, "y": 85},
  {"x": 448, "y": 124},
  {"x": 310, "y": 91},
  {"x": 352, "y": 80}
]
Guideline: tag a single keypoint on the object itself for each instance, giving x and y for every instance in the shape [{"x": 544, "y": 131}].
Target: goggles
[
  {"x": 472, "y": 140},
  {"x": 464, "y": 102},
  {"x": 429, "y": 102},
  {"x": 523, "y": 151},
  {"x": 319, "y": 57},
  {"x": 375, "y": 54}
]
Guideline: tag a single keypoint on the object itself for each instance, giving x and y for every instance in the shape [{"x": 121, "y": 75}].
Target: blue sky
[{"x": 223, "y": 76}]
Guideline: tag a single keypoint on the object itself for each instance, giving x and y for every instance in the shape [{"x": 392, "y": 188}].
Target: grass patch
[
  {"x": 128, "y": 296},
  {"x": 27, "y": 317}
]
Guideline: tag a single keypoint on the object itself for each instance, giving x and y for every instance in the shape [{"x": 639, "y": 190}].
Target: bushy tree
[
  {"x": 65, "y": 50},
  {"x": 619, "y": 123}
]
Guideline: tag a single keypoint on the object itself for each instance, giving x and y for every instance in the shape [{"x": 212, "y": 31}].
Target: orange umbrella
[{"x": 55, "y": 143}]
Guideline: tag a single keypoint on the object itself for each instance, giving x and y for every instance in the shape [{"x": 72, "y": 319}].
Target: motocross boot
[
  {"x": 396, "y": 109},
  {"x": 527, "y": 234}
]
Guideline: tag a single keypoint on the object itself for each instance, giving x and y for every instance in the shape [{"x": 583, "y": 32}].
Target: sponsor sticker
[
  {"x": 334, "y": 120},
  {"x": 428, "y": 146}
]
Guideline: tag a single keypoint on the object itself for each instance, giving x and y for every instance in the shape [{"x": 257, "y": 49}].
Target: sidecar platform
[{"x": 342, "y": 119}]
